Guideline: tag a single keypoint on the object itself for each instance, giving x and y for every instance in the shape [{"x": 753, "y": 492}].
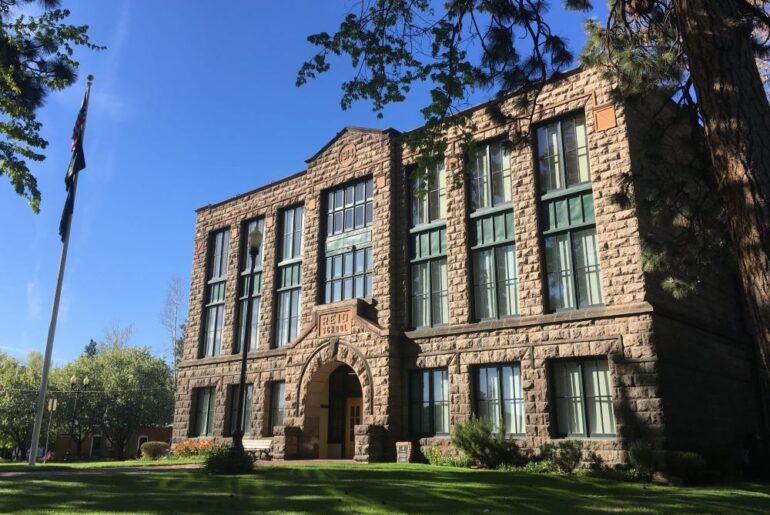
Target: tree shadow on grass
[{"x": 361, "y": 488}]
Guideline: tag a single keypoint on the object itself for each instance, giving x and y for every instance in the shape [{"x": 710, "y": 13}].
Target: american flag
[{"x": 78, "y": 161}]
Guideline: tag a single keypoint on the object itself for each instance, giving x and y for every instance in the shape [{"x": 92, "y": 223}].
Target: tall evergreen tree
[
  {"x": 700, "y": 53},
  {"x": 36, "y": 57}
]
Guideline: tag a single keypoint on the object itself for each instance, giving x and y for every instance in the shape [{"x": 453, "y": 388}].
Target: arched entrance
[{"x": 333, "y": 407}]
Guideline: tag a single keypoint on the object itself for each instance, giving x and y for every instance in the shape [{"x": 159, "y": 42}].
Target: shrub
[
  {"x": 689, "y": 466},
  {"x": 444, "y": 455},
  {"x": 568, "y": 455},
  {"x": 547, "y": 452},
  {"x": 540, "y": 467},
  {"x": 221, "y": 461},
  {"x": 153, "y": 450},
  {"x": 476, "y": 439},
  {"x": 641, "y": 458}
]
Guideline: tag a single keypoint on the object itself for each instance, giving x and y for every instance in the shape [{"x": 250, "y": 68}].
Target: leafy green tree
[
  {"x": 81, "y": 407},
  {"x": 701, "y": 54},
  {"x": 138, "y": 391},
  {"x": 36, "y": 57},
  {"x": 19, "y": 384}
]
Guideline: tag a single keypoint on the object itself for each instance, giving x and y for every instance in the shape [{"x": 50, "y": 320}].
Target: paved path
[{"x": 43, "y": 472}]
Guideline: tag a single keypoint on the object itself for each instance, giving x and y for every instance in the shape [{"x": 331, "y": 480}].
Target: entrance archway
[{"x": 333, "y": 407}]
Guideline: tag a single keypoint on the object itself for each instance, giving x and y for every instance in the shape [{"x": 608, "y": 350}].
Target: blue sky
[{"x": 192, "y": 103}]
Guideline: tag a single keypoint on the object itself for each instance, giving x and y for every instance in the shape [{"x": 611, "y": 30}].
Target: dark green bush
[
  {"x": 568, "y": 456},
  {"x": 688, "y": 466},
  {"x": 154, "y": 450},
  {"x": 490, "y": 450},
  {"x": 641, "y": 457},
  {"x": 222, "y": 461}
]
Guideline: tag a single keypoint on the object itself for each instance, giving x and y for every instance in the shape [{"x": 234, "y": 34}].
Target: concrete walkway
[{"x": 43, "y": 472}]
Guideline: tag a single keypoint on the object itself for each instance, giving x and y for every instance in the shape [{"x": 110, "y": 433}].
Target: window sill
[
  {"x": 527, "y": 321},
  {"x": 225, "y": 358}
]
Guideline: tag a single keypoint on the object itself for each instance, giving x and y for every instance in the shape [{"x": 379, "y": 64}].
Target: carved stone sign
[
  {"x": 403, "y": 452},
  {"x": 347, "y": 154},
  {"x": 335, "y": 323}
]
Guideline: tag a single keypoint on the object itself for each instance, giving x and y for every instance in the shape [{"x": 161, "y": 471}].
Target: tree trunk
[{"x": 736, "y": 114}]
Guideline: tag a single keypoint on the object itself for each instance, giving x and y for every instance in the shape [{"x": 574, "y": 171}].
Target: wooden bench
[{"x": 259, "y": 447}]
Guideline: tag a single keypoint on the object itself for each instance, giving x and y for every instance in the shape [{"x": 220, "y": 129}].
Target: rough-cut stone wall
[{"x": 382, "y": 349}]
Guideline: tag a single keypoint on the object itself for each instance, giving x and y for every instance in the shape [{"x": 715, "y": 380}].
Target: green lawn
[
  {"x": 385, "y": 488},
  {"x": 21, "y": 466}
]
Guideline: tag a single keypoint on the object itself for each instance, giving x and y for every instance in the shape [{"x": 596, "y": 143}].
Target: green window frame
[
  {"x": 349, "y": 275},
  {"x": 246, "y": 278},
  {"x": 495, "y": 267},
  {"x": 203, "y": 412},
  {"x": 500, "y": 397},
  {"x": 582, "y": 392},
  {"x": 568, "y": 225},
  {"x": 349, "y": 207},
  {"x": 275, "y": 411},
  {"x": 289, "y": 276},
  {"x": 216, "y": 283},
  {"x": 429, "y": 285},
  {"x": 348, "y": 246},
  {"x": 233, "y": 395},
  {"x": 429, "y": 402}
]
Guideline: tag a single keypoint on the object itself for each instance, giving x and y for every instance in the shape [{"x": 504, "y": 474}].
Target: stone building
[{"x": 387, "y": 310}]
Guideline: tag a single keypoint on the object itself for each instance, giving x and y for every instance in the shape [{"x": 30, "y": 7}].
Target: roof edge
[
  {"x": 349, "y": 128},
  {"x": 255, "y": 190}
]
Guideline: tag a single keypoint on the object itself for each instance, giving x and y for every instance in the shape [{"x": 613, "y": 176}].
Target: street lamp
[
  {"x": 74, "y": 385},
  {"x": 254, "y": 242}
]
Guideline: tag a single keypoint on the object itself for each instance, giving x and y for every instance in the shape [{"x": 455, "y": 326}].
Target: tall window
[
  {"x": 583, "y": 398},
  {"x": 568, "y": 223},
  {"x": 429, "y": 288},
  {"x": 289, "y": 284},
  {"x": 495, "y": 275},
  {"x": 233, "y": 408},
  {"x": 216, "y": 278},
  {"x": 246, "y": 279},
  {"x": 348, "y": 246},
  {"x": 499, "y": 397},
  {"x": 491, "y": 176},
  {"x": 277, "y": 395},
  {"x": 203, "y": 412},
  {"x": 429, "y": 402}
]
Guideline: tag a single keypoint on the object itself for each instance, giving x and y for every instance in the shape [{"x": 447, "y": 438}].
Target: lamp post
[
  {"x": 53, "y": 404},
  {"x": 254, "y": 242},
  {"x": 75, "y": 386}
]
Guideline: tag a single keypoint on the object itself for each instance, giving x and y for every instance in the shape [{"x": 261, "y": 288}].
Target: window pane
[
  {"x": 479, "y": 180},
  {"x": 586, "y": 253},
  {"x": 420, "y": 295},
  {"x": 548, "y": 158},
  {"x": 439, "y": 295},
  {"x": 441, "y": 401},
  {"x": 507, "y": 281},
  {"x": 277, "y": 395},
  {"x": 569, "y": 399},
  {"x": 601, "y": 418},
  {"x": 559, "y": 272},
  {"x": 513, "y": 399},
  {"x": 501, "y": 174},
  {"x": 576, "y": 150},
  {"x": 484, "y": 285}
]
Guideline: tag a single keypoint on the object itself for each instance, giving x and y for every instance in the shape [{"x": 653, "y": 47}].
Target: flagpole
[{"x": 54, "y": 317}]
